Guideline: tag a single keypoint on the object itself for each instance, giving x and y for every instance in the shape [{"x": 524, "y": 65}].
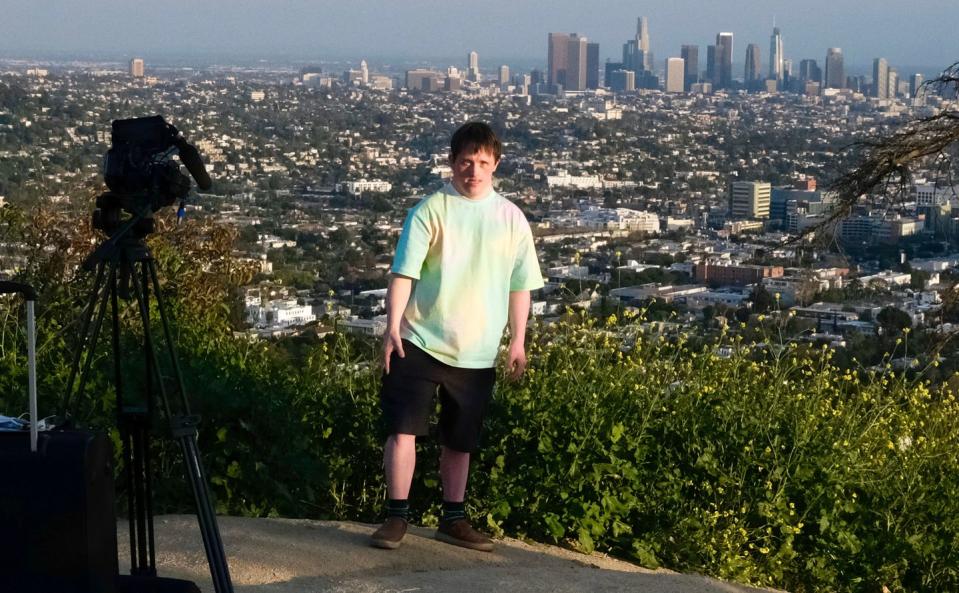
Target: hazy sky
[{"x": 906, "y": 32}]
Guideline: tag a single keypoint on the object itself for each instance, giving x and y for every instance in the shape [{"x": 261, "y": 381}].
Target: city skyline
[{"x": 913, "y": 36}]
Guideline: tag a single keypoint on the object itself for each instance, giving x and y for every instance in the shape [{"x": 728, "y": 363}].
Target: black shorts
[{"x": 406, "y": 397}]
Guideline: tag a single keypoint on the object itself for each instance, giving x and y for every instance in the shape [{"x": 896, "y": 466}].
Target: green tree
[{"x": 893, "y": 320}]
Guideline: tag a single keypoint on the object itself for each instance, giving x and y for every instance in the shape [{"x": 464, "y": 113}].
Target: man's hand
[
  {"x": 516, "y": 360},
  {"x": 391, "y": 342}
]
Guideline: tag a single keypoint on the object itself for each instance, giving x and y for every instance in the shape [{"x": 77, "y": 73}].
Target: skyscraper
[
  {"x": 776, "y": 56},
  {"x": 645, "y": 57},
  {"x": 675, "y": 75},
  {"x": 576, "y": 63},
  {"x": 136, "y": 67},
  {"x": 592, "y": 65},
  {"x": 504, "y": 74},
  {"x": 690, "y": 55},
  {"x": 642, "y": 33},
  {"x": 472, "y": 71},
  {"x": 915, "y": 85},
  {"x": 880, "y": 78},
  {"x": 835, "y": 73},
  {"x": 753, "y": 70},
  {"x": 364, "y": 72},
  {"x": 809, "y": 71},
  {"x": 724, "y": 59},
  {"x": 622, "y": 80},
  {"x": 712, "y": 73},
  {"x": 893, "y": 83},
  {"x": 557, "y": 58}
]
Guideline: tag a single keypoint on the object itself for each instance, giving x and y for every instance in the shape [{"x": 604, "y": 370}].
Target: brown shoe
[
  {"x": 390, "y": 533},
  {"x": 461, "y": 533}
]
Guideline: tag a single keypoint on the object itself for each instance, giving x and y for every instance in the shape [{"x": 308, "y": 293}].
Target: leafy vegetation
[{"x": 762, "y": 464}]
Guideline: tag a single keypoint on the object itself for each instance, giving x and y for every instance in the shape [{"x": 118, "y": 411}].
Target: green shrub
[{"x": 765, "y": 464}]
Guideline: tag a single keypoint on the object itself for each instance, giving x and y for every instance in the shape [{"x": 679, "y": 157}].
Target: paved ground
[{"x": 288, "y": 555}]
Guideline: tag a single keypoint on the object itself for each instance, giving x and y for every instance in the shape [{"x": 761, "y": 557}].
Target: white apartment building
[
  {"x": 279, "y": 313},
  {"x": 623, "y": 219},
  {"x": 577, "y": 181},
  {"x": 355, "y": 188},
  {"x": 288, "y": 312}
]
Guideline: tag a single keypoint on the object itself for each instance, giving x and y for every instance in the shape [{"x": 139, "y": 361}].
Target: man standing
[{"x": 464, "y": 266}]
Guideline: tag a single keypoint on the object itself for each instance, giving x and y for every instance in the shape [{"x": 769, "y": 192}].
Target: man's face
[{"x": 473, "y": 172}]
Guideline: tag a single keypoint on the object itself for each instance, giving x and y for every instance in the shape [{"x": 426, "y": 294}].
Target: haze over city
[{"x": 912, "y": 34}]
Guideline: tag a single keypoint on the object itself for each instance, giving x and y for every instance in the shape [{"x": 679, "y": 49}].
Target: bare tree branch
[{"x": 888, "y": 161}]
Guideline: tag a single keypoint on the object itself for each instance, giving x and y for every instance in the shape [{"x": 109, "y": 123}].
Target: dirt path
[{"x": 289, "y": 555}]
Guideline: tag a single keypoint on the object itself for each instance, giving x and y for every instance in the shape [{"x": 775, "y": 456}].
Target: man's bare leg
[
  {"x": 399, "y": 460},
  {"x": 454, "y": 470},
  {"x": 454, "y": 528}
]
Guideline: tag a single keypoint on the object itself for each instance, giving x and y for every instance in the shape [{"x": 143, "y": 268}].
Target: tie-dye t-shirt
[{"x": 466, "y": 256}]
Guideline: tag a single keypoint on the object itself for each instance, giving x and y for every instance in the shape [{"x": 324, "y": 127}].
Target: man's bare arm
[
  {"x": 519, "y": 302},
  {"x": 397, "y": 297}
]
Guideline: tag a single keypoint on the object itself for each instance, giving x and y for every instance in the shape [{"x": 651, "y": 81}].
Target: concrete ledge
[{"x": 293, "y": 555}]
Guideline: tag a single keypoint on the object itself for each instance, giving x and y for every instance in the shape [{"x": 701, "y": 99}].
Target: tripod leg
[
  {"x": 133, "y": 423},
  {"x": 184, "y": 431},
  {"x": 87, "y": 342},
  {"x": 212, "y": 543}
]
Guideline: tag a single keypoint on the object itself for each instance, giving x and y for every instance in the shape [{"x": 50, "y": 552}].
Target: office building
[
  {"x": 690, "y": 55},
  {"x": 567, "y": 61},
  {"x": 753, "y": 70},
  {"x": 749, "y": 199},
  {"x": 711, "y": 72},
  {"x": 835, "y": 72},
  {"x": 724, "y": 59},
  {"x": 136, "y": 68},
  {"x": 608, "y": 70},
  {"x": 642, "y": 33},
  {"x": 592, "y": 66},
  {"x": 424, "y": 80},
  {"x": 915, "y": 85},
  {"x": 364, "y": 72},
  {"x": 809, "y": 71},
  {"x": 893, "y": 84},
  {"x": 644, "y": 58},
  {"x": 622, "y": 80},
  {"x": 472, "y": 70},
  {"x": 776, "y": 57},
  {"x": 504, "y": 74},
  {"x": 557, "y": 58},
  {"x": 576, "y": 63},
  {"x": 675, "y": 75},
  {"x": 880, "y": 78}
]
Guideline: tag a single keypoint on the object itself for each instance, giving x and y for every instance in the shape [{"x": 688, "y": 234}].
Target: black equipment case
[{"x": 57, "y": 517}]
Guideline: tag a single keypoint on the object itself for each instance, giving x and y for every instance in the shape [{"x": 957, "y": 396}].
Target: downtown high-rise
[
  {"x": 776, "y": 57},
  {"x": 880, "y": 78},
  {"x": 675, "y": 75},
  {"x": 592, "y": 66},
  {"x": 753, "y": 69},
  {"x": 835, "y": 75},
  {"x": 645, "y": 58},
  {"x": 567, "y": 61},
  {"x": 136, "y": 68},
  {"x": 690, "y": 55},
  {"x": 724, "y": 60}
]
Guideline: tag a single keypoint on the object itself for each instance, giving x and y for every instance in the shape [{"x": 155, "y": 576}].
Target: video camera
[{"x": 142, "y": 176}]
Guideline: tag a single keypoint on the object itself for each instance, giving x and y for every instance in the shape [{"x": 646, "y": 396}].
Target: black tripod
[{"x": 126, "y": 269}]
